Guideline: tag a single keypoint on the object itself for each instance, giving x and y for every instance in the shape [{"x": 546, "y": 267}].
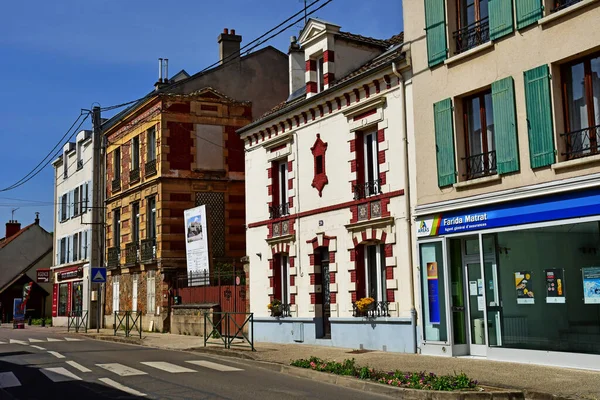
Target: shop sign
[
  {"x": 591, "y": 285},
  {"x": 70, "y": 274},
  {"x": 43, "y": 275},
  {"x": 563, "y": 206},
  {"x": 196, "y": 244}
]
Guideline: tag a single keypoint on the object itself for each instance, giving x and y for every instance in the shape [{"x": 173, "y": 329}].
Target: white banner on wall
[{"x": 196, "y": 244}]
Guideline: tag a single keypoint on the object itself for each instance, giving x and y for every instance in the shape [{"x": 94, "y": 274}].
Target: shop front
[
  {"x": 516, "y": 281},
  {"x": 71, "y": 294}
]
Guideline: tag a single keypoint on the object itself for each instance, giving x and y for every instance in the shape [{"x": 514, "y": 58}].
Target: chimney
[
  {"x": 297, "y": 66},
  {"x": 161, "y": 83},
  {"x": 229, "y": 45},
  {"x": 37, "y": 218},
  {"x": 12, "y": 227}
]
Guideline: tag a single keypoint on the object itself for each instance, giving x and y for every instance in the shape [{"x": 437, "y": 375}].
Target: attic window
[{"x": 320, "y": 76}]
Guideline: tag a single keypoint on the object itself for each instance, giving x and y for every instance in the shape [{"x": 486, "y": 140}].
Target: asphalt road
[{"x": 38, "y": 364}]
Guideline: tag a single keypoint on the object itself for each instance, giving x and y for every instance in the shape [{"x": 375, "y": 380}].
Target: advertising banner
[
  {"x": 555, "y": 286},
  {"x": 196, "y": 243},
  {"x": 18, "y": 311},
  {"x": 432, "y": 289},
  {"x": 523, "y": 286},
  {"x": 591, "y": 285}
]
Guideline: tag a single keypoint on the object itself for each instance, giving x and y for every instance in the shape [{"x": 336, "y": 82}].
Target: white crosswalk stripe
[
  {"x": 68, "y": 339},
  {"x": 8, "y": 380},
  {"x": 14, "y": 341},
  {"x": 53, "y": 340},
  {"x": 168, "y": 367},
  {"x": 78, "y": 366},
  {"x": 121, "y": 370},
  {"x": 60, "y": 374},
  {"x": 56, "y": 354},
  {"x": 123, "y": 388},
  {"x": 215, "y": 366},
  {"x": 37, "y": 347},
  {"x": 2, "y": 342},
  {"x": 35, "y": 340}
]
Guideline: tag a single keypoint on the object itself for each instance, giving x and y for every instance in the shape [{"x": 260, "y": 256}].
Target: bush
[
  {"x": 411, "y": 380},
  {"x": 38, "y": 321}
]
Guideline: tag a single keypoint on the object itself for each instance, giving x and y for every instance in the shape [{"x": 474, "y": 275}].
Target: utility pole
[{"x": 98, "y": 193}]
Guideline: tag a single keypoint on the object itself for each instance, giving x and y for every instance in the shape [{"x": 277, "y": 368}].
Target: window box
[
  {"x": 279, "y": 211},
  {"x": 364, "y": 190},
  {"x": 131, "y": 254},
  {"x": 150, "y": 168},
  {"x": 374, "y": 310},
  {"x": 116, "y": 185},
  {"x": 134, "y": 175},
  {"x": 279, "y": 309},
  {"x": 114, "y": 257},
  {"x": 148, "y": 250},
  {"x": 472, "y": 35}
]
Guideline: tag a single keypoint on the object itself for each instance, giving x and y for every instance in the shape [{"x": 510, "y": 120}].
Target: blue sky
[{"x": 59, "y": 57}]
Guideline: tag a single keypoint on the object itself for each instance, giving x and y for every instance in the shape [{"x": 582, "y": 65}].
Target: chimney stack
[
  {"x": 229, "y": 45},
  {"x": 163, "y": 80},
  {"x": 297, "y": 66},
  {"x": 37, "y": 218},
  {"x": 12, "y": 227}
]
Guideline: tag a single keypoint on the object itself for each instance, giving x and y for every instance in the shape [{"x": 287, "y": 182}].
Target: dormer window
[
  {"x": 320, "y": 76},
  {"x": 79, "y": 155}
]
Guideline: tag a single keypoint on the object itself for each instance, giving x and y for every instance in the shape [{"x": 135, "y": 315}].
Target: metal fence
[
  {"x": 77, "y": 321},
  {"x": 128, "y": 321},
  {"x": 226, "y": 329}
]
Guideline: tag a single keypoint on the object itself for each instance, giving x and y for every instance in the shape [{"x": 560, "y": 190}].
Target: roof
[
  {"x": 363, "y": 39},
  {"x": 4, "y": 241}
]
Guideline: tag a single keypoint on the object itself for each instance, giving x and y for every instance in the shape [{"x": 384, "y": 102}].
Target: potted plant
[
  {"x": 276, "y": 308},
  {"x": 365, "y": 304}
]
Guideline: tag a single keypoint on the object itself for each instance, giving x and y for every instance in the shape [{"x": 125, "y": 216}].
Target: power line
[{"x": 109, "y": 108}]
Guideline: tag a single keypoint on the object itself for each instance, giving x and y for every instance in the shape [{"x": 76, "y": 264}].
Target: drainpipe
[
  {"x": 297, "y": 185},
  {"x": 408, "y": 213}
]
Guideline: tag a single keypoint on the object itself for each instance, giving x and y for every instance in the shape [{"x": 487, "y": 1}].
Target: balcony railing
[
  {"x": 150, "y": 168},
  {"x": 148, "y": 250},
  {"x": 480, "y": 165},
  {"x": 116, "y": 185},
  {"x": 374, "y": 310},
  {"x": 131, "y": 254},
  {"x": 134, "y": 175},
  {"x": 562, "y": 4},
  {"x": 114, "y": 257},
  {"x": 279, "y": 211},
  {"x": 281, "y": 311},
  {"x": 472, "y": 35},
  {"x": 582, "y": 143},
  {"x": 79, "y": 164},
  {"x": 364, "y": 190}
]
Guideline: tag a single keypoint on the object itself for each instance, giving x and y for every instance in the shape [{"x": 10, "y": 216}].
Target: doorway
[{"x": 325, "y": 293}]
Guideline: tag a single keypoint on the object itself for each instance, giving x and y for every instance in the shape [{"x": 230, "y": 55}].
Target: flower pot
[{"x": 276, "y": 312}]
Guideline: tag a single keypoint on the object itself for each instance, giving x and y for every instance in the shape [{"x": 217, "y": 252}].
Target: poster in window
[
  {"x": 524, "y": 287},
  {"x": 196, "y": 245},
  {"x": 555, "y": 286},
  {"x": 432, "y": 289},
  {"x": 591, "y": 285}
]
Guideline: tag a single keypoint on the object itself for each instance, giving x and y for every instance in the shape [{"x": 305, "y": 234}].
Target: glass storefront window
[
  {"x": 77, "y": 302},
  {"x": 434, "y": 299},
  {"x": 63, "y": 299}
]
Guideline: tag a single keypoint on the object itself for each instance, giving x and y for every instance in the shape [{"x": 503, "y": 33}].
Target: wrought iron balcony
[
  {"x": 562, "y": 4},
  {"x": 148, "y": 250},
  {"x": 480, "y": 165},
  {"x": 134, "y": 175},
  {"x": 79, "y": 164},
  {"x": 281, "y": 311},
  {"x": 279, "y": 211},
  {"x": 374, "y": 310},
  {"x": 116, "y": 185},
  {"x": 131, "y": 254},
  {"x": 364, "y": 190},
  {"x": 114, "y": 257},
  {"x": 472, "y": 35},
  {"x": 150, "y": 168},
  {"x": 582, "y": 143}
]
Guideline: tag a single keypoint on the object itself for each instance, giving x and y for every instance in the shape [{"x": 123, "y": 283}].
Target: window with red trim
[
  {"x": 281, "y": 281},
  {"x": 367, "y": 165},
  {"x": 279, "y": 188},
  {"x": 320, "y": 176}
]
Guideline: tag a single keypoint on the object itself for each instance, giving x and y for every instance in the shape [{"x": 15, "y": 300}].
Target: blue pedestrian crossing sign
[{"x": 98, "y": 275}]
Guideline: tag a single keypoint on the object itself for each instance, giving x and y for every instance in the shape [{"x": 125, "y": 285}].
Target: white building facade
[
  {"x": 72, "y": 230},
  {"x": 327, "y": 205}
]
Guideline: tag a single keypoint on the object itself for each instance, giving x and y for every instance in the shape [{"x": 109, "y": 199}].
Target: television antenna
[{"x": 13, "y": 213}]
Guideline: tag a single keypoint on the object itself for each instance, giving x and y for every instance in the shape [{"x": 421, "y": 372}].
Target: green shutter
[
  {"x": 435, "y": 26},
  {"x": 444, "y": 142},
  {"x": 539, "y": 116},
  {"x": 505, "y": 126},
  {"x": 528, "y": 12},
  {"x": 501, "y": 18}
]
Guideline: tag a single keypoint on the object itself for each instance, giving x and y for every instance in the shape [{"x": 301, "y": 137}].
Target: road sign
[{"x": 98, "y": 275}]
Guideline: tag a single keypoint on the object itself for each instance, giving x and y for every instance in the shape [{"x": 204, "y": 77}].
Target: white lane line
[
  {"x": 59, "y": 374},
  {"x": 165, "y": 366},
  {"x": 56, "y": 354},
  {"x": 123, "y": 388},
  {"x": 35, "y": 340},
  {"x": 68, "y": 339},
  {"x": 215, "y": 366},
  {"x": 78, "y": 366},
  {"x": 8, "y": 380},
  {"x": 2, "y": 342},
  {"x": 53, "y": 340},
  {"x": 121, "y": 370},
  {"x": 37, "y": 347},
  {"x": 14, "y": 341}
]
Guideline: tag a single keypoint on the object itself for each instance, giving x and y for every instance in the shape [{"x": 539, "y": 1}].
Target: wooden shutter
[
  {"x": 539, "y": 116},
  {"x": 59, "y": 208},
  {"x": 68, "y": 250},
  {"x": 528, "y": 12},
  {"x": 444, "y": 143},
  {"x": 501, "y": 18},
  {"x": 505, "y": 125},
  {"x": 435, "y": 27}
]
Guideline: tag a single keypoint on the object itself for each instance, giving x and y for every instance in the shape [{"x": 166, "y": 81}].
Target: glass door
[
  {"x": 476, "y": 308},
  {"x": 492, "y": 290}
]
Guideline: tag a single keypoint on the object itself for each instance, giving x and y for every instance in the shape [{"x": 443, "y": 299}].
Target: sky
[{"x": 57, "y": 57}]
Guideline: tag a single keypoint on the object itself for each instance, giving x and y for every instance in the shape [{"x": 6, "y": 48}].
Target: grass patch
[{"x": 410, "y": 380}]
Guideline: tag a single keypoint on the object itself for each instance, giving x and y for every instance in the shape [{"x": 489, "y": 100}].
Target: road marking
[
  {"x": 123, "y": 388},
  {"x": 215, "y": 366},
  {"x": 68, "y": 339},
  {"x": 35, "y": 341},
  {"x": 60, "y": 374},
  {"x": 53, "y": 340},
  {"x": 14, "y": 341},
  {"x": 78, "y": 366},
  {"x": 56, "y": 354},
  {"x": 165, "y": 366},
  {"x": 8, "y": 380},
  {"x": 121, "y": 370},
  {"x": 2, "y": 342},
  {"x": 37, "y": 347}
]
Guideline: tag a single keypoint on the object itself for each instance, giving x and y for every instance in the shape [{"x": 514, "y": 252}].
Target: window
[
  {"x": 64, "y": 207},
  {"x": 367, "y": 166},
  {"x": 432, "y": 289},
  {"x": 63, "y": 299},
  {"x": 117, "y": 227},
  {"x": 581, "y": 97},
  {"x": 77, "y": 298},
  {"x": 151, "y": 220},
  {"x": 135, "y": 153},
  {"x": 76, "y": 247},
  {"x": 84, "y": 244},
  {"x": 115, "y": 293},
  {"x": 320, "y": 76},
  {"x": 135, "y": 222},
  {"x": 473, "y": 24},
  {"x": 117, "y": 164},
  {"x": 84, "y": 194},
  {"x": 62, "y": 251},
  {"x": 151, "y": 292},
  {"x": 134, "y": 294},
  {"x": 375, "y": 284},
  {"x": 79, "y": 154},
  {"x": 319, "y": 165},
  {"x": 76, "y": 202},
  {"x": 65, "y": 164},
  {"x": 280, "y": 206},
  {"x": 562, "y": 4},
  {"x": 281, "y": 287},
  {"x": 151, "y": 145},
  {"x": 480, "y": 149}
]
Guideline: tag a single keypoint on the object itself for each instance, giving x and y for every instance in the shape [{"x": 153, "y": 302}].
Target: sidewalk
[{"x": 571, "y": 383}]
